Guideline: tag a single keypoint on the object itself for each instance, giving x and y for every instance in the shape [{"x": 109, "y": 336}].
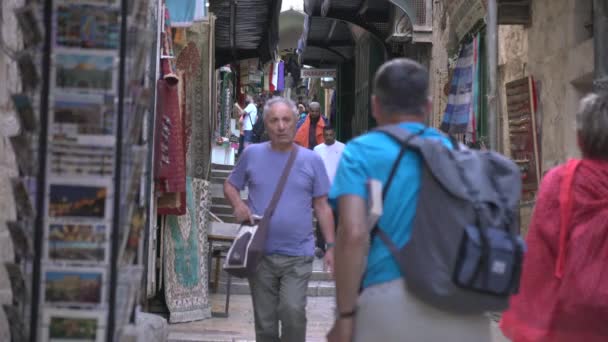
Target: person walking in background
[
  {"x": 563, "y": 293},
  {"x": 385, "y": 311},
  {"x": 301, "y": 114},
  {"x": 279, "y": 287},
  {"x": 330, "y": 152},
  {"x": 248, "y": 117},
  {"x": 310, "y": 134}
]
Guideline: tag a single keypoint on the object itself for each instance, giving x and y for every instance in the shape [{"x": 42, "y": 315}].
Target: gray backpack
[{"x": 464, "y": 255}]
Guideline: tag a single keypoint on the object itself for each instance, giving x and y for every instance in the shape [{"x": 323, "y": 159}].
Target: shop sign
[
  {"x": 318, "y": 73},
  {"x": 464, "y": 14}
]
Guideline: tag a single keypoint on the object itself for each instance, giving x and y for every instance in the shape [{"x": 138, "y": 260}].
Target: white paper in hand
[{"x": 374, "y": 189}]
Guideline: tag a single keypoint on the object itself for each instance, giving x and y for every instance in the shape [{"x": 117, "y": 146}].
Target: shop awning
[
  {"x": 332, "y": 24},
  {"x": 245, "y": 29},
  {"x": 328, "y": 42}
]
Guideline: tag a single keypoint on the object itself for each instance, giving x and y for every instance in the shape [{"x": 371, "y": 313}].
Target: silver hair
[
  {"x": 592, "y": 126},
  {"x": 280, "y": 100},
  {"x": 314, "y": 105}
]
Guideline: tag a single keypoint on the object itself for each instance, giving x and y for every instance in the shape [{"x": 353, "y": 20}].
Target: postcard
[
  {"x": 73, "y": 325},
  {"x": 89, "y": 72},
  {"x": 71, "y": 286},
  {"x": 77, "y": 242},
  {"x": 84, "y": 115},
  {"x": 70, "y": 157},
  {"x": 78, "y": 201},
  {"x": 87, "y": 26}
]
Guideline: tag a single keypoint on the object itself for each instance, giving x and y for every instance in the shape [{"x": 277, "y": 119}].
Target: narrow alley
[{"x": 303, "y": 170}]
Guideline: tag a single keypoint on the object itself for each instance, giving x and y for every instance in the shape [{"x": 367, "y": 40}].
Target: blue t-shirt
[
  {"x": 372, "y": 156},
  {"x": 259, "y": 168}
]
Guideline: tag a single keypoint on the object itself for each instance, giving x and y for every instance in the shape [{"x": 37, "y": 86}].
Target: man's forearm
[
  {"x": 233, "y": 195},
  {"x": 326, "y": 221},
  {"x": 352, "y": 245}
]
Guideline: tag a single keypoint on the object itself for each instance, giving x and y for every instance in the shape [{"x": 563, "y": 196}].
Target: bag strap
[
  {"x": 565, "y": 211},
  {"x": 281, "y": 185}
]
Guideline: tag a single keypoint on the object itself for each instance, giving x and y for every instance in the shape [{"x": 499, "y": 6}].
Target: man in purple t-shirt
[{"x": 280, "y": 284}]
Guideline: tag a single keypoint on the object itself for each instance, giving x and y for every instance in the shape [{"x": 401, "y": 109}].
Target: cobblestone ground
[{"x": 239, "y": 326}]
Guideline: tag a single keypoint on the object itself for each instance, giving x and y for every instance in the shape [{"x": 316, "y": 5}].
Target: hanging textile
[
  {"x": 275, "y": 76},
  {"x": 271, "y": 74},
  {"x": 185, "y": 267},
  {"x": 267, "y": 76},
  {"x": 460, "y": 107},
  {"x": 185, "y": 12},
  {"x": 281, "y": 76},
  {"x": 170, "y": 168},
  {"x": 203, "y": 104},
  {"x": 170, "y": 157},
  {"x": 475, "y": 116}
]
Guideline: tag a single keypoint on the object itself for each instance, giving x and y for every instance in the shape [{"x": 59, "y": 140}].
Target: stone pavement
[{"x": 239, "y": 326}]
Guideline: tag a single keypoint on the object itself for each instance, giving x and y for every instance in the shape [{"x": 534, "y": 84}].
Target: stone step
[
  {"x": 219, "y": 201},
  {"x": 221, "y": 210},
  {"x": 221, "y": 167},
  {"x": 227, "y": 218},
  {"x": 220, "y": 174}
]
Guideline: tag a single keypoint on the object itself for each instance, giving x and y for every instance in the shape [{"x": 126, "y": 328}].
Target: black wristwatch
[{"x": 330, "y": 245}]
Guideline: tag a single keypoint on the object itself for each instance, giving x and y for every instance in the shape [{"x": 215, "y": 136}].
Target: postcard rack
[{"x": 83, "y": 156}]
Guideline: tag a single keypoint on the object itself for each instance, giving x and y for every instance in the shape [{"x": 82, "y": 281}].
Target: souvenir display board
[
  {"x": 523, "y": 134},
  {"x": 87, "y": 153}
]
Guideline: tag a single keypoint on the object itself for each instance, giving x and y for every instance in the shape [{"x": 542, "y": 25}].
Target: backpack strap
[
  {"x": 565, "y": 211},
  {"x": 404, "y": 138}
]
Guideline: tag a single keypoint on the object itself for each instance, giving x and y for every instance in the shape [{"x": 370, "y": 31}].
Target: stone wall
[
  {"x": 439, "y": 62},
  {"x": 9, "y": 83},
  {"x": 556, "y": 50},
  {"x": 560, "y": 58}
]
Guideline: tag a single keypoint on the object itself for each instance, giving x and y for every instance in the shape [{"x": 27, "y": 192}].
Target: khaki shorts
[{"x": 387, "y": 312}]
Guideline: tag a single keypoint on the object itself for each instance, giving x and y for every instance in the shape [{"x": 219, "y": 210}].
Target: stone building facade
[
  {"x": 556, "y": 49},
  {"x": 9, "y": 84}
]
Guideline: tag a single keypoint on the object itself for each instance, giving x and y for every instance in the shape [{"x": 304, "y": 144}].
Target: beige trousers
[{"x": 388, "y": 313}]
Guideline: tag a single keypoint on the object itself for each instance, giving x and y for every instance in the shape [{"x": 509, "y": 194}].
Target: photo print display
[
  {"x": 61, "y": 325},
  {"x": 88, "y": 26},
  {"x": 74, "y": 286},
  {"x": 77, "y": 242},
  {"x": 83, "y": 115},
  {"x": 88, "y": 72},
  {"x": 69, "y": 157},
  {"x": 78, "y": 201}
]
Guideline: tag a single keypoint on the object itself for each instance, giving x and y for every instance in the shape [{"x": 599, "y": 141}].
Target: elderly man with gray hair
[
  {"x": 565, "y": 267},
  {"x": 310, "y": 133},
  {"x": 279, "y": 287}
]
